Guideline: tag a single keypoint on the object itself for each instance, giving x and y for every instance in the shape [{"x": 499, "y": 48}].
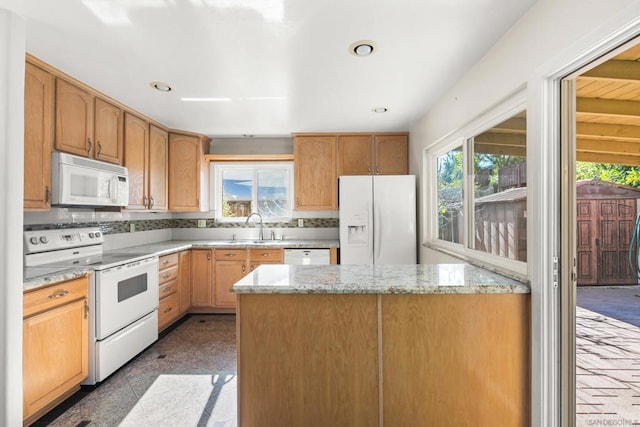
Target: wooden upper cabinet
[
  {"x": 108, "y": 132},
  {"x": 355, "y": 155},
  {"x": 38, "y": 137},
  {"x": 158, "y": 168},
  {"x": 74, "y": 119},
  {"x": 188, "y": 173},
  {"x": 316, "y": 184},
  {"x": 391, "y": 153},
  {"x": 136, "y": 147},
  {"x": 373, "y": 154}
]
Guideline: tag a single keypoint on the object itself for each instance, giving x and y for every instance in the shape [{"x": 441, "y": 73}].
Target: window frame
[
  {"x": 464, "y": 137},
  {"x": 216, "y": 187}
]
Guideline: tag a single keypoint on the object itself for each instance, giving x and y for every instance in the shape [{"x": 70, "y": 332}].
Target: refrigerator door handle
[{"x": 377, "y": 229}]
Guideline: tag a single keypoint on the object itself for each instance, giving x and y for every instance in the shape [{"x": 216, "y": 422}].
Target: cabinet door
[
  {"x": 38, "y": 137},
  {"x": 136, "y": 146},
  {"x": 74, "y": 119},
  {"x": 108, "y": 132},
  {"x": 158, "y": 168},
  {"x": 184, "y": 265},
  {"x": 55, "y": 353},
  {"x": 355, "y": 155},
  {"x": 391, "y": 154},
  {"x": 315, "y": 172},
  {"x": 185, "y": 168},
  {"x": 227, "y": 273},
  {"x": 201, "y": 278}
]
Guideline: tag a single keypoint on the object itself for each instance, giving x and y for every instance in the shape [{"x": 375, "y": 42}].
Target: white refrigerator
[{"x": 377, "y": 219}]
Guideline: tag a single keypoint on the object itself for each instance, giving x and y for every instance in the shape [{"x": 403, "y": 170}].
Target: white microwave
[{"x": 77, "y": 181}]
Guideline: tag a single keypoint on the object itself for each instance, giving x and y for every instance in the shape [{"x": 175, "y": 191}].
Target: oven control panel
[{"x": 49, "y": 240}]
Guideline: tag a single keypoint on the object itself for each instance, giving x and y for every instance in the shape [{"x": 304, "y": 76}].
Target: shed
[
  {"x": 501, "y": 223},
  {"x": 606, "y": 215}
]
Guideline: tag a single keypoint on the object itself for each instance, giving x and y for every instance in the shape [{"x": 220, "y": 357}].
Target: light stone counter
[
  {"x": 377, "y": 279},
  {"x": 35, "y": 277}
]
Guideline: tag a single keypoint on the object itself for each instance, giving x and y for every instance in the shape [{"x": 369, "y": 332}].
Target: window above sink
[{"x": 241, "y": 188}]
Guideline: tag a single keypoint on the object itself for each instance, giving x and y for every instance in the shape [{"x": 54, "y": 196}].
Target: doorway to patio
[{"x": 606, "y": 191}]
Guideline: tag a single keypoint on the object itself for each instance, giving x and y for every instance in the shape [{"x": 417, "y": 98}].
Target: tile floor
[
  {"x": 608, "y": 356},
  {"x": 187, "y": 378}
]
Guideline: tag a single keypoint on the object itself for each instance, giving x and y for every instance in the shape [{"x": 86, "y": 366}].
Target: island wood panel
[
  {"x": 307, "y": 360},
  {"x": 456, "y": 359}
]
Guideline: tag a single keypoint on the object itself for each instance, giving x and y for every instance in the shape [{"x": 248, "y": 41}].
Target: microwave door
[{"x": 79, "y": 186}]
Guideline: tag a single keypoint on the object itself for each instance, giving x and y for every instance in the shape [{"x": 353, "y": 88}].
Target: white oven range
[{"x": 123, "y": 293}]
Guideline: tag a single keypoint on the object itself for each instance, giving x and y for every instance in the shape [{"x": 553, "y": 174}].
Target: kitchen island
[{"x": 382, "y": 345}]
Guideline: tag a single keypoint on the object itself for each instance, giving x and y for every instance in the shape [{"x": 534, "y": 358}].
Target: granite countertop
[
  {"x": 377, "y": 279},
  {"x": 38, "y": 277},
  {"x": 35, "y": 277}
]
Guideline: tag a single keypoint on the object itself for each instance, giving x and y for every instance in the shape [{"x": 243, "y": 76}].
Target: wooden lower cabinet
[
  {"x": 55, "y": 348},
  {"x": 169, "y": 282},
  {"x": 201, "y": 279},
  {"x": 259, "y": 257},
  {"x": 393, "y": 360},
  {"x": 231, "y": 266},
  {"x": 184, "y": 266}
]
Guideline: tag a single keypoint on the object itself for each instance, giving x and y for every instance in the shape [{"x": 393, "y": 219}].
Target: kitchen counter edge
[{"x": 377, "y": 279}]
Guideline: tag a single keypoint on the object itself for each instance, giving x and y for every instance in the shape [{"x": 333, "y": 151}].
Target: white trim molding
[{"x": 545, "y": 191}]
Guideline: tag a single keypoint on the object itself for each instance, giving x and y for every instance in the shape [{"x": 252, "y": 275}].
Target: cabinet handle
[
  {"x": 378, "y": 170},
  {"x": 151, "y": 202},
  {"x": 90, "y": 146},
  {"x": 86, "y": 309},
  {"x": 166, "y": 261},
  {"x": 99, "y": 149},
  {"x": 164, "y": 276},
  {"x": 208, "y": 256},
  {"x": 229, "y": 254},
  {"x": 47, "y": 194},
  {"x": 167, "y": 289},
  {"x": 145, "y": 201},
  {"x": 265, "y": 254},
  {"x": 243, "y": 268},
  {"x": 168, "y": 309},
  {"x": 369, "y": 170},
  {"x": 58, "y": 294}
]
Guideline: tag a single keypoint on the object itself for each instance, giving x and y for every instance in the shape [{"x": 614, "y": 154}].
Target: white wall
[
  {"x": 547, "y": 30},
  {"x": 12, "y": 48}
]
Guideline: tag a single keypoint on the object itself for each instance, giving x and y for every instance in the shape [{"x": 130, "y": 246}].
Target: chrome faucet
[{"x": 260, "y": 236}]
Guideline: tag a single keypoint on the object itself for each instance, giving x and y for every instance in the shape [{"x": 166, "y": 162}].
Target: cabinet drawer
[
  {"x": 168, "y": 288},
  {"x": 52, "y": 296},
  {"x": 168, "y": 310},
  {"x": 266, "y": 255},
  {"x": 168, "y": 260},
  {"x": 168, "y": 274},
  {"x": 230, "y": 254}
]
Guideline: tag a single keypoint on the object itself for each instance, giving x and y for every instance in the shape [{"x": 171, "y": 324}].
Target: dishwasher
[{"x": 306, "y": 256}]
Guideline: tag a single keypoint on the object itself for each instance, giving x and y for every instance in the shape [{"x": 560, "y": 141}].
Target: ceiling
[
  {"x": 608, "y": 110},
  {"x": 272, "y": 66}
]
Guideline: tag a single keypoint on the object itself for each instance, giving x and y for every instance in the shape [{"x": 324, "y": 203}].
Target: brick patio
[{"x": 608, "y": 356}]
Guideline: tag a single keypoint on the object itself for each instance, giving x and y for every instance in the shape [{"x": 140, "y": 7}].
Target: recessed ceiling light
[
  {"x": 161, "y": 86},
  {"x": 380, "y": 110},
  {"x": 362, "y": 48}
]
